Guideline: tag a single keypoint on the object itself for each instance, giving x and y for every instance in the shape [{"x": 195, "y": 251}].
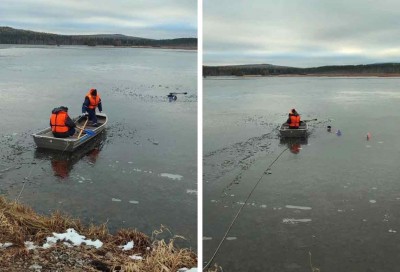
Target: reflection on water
[
  {"x": 294, "y": 144},
  {"x": 63, "y": 162}
]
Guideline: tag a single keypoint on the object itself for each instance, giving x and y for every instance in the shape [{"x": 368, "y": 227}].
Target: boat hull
[
  {"x": 45, "y": 138},
  {"x": 301, "y": 132}
]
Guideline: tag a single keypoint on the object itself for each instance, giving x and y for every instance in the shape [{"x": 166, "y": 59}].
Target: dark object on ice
[
  {"x": 173, "y": 97},
  {"x": 329, "y": 128}
]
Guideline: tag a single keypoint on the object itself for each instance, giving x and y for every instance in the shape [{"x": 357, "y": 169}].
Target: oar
[
  {"x": 305, "y": 121},
  {"x": 79, "y": 135},
  {"x": 87, "y": 131},
  {"x": 179, "y": 93}
]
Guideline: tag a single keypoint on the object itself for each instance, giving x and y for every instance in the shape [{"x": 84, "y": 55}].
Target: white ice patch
[
  {"x": 184, "y": 269},
  {"x": 136, "y": 257},
  {"x": 207, "y": 238},
  {"x": 191, "y": 192},
  {"x": 5, "y": 245},
  {"x": 115, "y": 199},
  {"x": 134, "y": 202},
  {"x": 372, "y": 201},
  {"x": 263, "y": 206},
  {"x": 380, "y": 142},
  {"x": 374, "y": 188},
  {"x": 295, "y": 221},
  {"x": 171, "y": 176},
  {"x": 393, "y": 231},
  {"x": 231, "y": 238},
  {"x": 73, "y": 237},
  {"x": 298, "y": 207},
  {"x": 128, "y": 246},
  {"x": 29, "y": 245}
]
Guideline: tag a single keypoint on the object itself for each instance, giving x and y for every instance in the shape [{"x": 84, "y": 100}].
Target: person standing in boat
[
  {"x": 92, "y": 101},
  {"x": 294, "y": 119},
  {"x": 61, "y": 124}
]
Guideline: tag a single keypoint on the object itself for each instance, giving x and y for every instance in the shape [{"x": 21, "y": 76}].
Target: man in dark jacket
[
  {"x": 61, "y": 124},
  {"x": 92, "y": 101}
]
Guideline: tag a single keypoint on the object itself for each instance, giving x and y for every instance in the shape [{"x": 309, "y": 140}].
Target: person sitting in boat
[
  {"x": 61, "y": 124},
  {"x": 294, "y": 119},
  {"x": 92, "y": 101},
  {"x": 172, "y": 97}
]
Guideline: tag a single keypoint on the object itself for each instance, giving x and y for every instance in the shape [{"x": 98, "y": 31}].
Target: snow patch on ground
[
  {"x": 136, "y": 257},
  {"x": 72, "y": 237},
  {"x": 194, "y": 269},
  {"x": 191, "y": 192},
  {"x": 5, "y": 245},
  {"x": 128, "y": 246}
]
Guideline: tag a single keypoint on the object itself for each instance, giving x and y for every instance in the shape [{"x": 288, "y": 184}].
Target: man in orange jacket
[
  {"x": 92, "y": 101},
  {"x": 294, "y": 119},
  {"x": 61, "y": 124}
]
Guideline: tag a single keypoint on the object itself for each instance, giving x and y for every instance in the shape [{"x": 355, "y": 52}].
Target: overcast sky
[
  {"x": 301, "y": 33},
  {"x": 156, "y": 19}
]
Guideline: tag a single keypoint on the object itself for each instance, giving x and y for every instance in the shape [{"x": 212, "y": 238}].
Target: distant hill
[
  {"x": 273, "y": 70},
  {"x": 10, "y": 35}
]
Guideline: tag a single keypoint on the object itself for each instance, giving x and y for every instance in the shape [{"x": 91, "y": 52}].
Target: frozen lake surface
[
  {"x": 336, "y": 197},
  {"x": 121, "y": 178}
]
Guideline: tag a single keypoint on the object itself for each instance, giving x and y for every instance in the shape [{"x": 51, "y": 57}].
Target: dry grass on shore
[{"x": 19, "y": 223}]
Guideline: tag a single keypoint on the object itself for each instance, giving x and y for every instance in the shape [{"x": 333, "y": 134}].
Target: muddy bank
[{"x": 29, "y": 241}]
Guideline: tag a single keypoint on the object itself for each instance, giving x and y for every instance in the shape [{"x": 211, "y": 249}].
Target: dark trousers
[
  {"x": 67, "y": 134},
  {"x": 92, "y": 115}
]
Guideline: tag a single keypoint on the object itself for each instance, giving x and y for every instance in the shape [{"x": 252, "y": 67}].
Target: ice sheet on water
[
  {"x": 295, "y": 221},
  {"x": 171, "y": 176},
  {"x": 297, "y": 207}
]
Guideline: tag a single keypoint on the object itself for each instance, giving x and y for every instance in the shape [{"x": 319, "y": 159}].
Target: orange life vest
[
  {"x": 93, "y": 100},
  {"x": 294, "y": 121},
  {"x": 57, "y": 122}
]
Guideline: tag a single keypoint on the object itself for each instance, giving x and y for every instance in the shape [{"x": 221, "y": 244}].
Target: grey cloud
[
  {"x": 357, "y": 30},
  {"x": 81, "y": 17}
]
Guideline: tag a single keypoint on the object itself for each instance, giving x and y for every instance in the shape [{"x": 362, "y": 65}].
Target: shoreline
[
  {"x": 174, "y": 47},
  {"x": 311, "y": 75}
]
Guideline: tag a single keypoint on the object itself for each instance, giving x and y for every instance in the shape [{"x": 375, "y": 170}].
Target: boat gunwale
[{"x": 74, "y": 143}]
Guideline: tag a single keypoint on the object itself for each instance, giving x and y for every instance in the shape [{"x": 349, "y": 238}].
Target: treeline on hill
[
  {"x": 271, "y": 70},
  {"x": 10, "y": 35}
]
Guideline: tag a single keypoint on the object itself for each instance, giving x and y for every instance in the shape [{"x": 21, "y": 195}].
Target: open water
[
  {"x": 331, "y": 202},
  {"x": 141, "y": 173}
]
